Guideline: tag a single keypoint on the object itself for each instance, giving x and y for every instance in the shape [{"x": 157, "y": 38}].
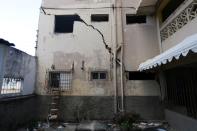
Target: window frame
[
  {"x": 99, "y": 75},
  {"x": 67, "y": 81}
]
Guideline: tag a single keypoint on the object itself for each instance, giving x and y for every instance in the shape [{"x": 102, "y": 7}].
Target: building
[
  {"x": 176, "y": 63},
  {"x": 86, "y": 49},
  {"x": 96, "y": 58}
]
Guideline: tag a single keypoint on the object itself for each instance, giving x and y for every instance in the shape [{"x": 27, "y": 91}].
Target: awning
[{"x": 181, "y": 49}]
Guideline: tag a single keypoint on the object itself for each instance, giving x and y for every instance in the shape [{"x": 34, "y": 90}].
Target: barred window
[
  {"x": 12, "y": 85},
  {"x": 62, "y": 79}
]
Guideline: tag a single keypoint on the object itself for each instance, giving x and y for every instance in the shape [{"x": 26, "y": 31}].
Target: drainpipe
[
  {"x": 114, "y": 13},
  {"x": 122, "y": 59}
]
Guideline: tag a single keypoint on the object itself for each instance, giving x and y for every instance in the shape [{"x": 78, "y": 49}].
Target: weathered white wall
[
  {"x": 20, "y": 65},
  {"x": 140, "y": 43},
  {"x": 84, "y": 44}
]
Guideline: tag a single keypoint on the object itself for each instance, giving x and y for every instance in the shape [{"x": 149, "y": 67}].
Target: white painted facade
[{"x": 63, "y": 50}]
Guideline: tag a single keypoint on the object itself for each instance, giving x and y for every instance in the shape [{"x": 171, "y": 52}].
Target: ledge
[{"x": 6, "y": 99}]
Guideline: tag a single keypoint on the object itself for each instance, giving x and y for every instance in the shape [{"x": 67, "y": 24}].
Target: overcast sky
[{"x": 19, "y": 22}]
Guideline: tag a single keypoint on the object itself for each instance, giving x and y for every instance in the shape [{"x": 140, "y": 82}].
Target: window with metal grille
[
  {"x": 135, "y": 19},
  {"x": 98, "y": 75},
  {"x": 61, "y": 80},
  {"x": 12, "y": 85}
]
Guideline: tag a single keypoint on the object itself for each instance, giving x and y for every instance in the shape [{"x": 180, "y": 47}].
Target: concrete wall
[
  {"x": 3, "y": 51},
  {"x": 20, "y": 65},
  {"x": 27, "y": 112},
  {"x": 141, "y": 42},
  {"x": 84, "y": 44},
  {"x": 180, "y": 122}
]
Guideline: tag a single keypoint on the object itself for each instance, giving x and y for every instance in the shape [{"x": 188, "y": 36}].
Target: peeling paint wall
[
  {"x": 84, "y": 44},
  {"x": 18, "y": 64}
]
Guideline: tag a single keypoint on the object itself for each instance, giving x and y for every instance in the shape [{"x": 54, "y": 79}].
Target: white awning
[{"x": 183, "y": 48}]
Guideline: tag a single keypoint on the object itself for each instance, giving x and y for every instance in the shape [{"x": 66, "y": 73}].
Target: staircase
[{"x": 53, "y": 116}]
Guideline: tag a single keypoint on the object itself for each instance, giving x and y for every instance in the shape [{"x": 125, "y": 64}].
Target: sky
[{"x": 19, "y": 23}]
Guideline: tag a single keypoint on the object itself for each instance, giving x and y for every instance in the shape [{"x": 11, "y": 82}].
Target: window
[
  {"x": 64, "y": 23},
  {"x": 135, "y": 75},
  {"x": 170, "y": 8},
  {"x": 99, "y": 17},
  {"x": 135, "y": 19},
  {"x": 98, "y": 75},
  {"x": 61, "y": 80},
  {"x": 12, "y": 85}
]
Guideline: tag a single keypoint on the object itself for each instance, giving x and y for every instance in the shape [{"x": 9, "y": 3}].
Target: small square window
[
  {"x": 99, "y": 17},
  {"x": 98, "y": 75}
]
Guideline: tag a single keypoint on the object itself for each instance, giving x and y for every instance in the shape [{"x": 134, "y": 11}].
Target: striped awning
[{"x": 181, "y": 49}]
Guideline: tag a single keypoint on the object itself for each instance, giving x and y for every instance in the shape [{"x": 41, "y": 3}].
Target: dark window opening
[
  {"x": 103, "y": 76},
  {"x": 135, "y": 75},
  {"x": 100, "y": 18},
  {"x": 64, "y": 23},
  {"x": 54, "y": 79},
  {"x": 170, "y": 8},
  {"x": 98, "y": 75},
  {"x": 95, "y": 75},
  {"x": 133, "y": 19}
]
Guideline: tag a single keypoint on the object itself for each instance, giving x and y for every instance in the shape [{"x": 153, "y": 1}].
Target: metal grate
[
  {"x": 11, "y": 85},
  {"x": 61, "y": 80}
]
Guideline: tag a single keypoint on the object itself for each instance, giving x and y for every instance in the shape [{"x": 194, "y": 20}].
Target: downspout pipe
[
  {"x": 114, "y": 13},
  {"x": 122, "y": 60}
]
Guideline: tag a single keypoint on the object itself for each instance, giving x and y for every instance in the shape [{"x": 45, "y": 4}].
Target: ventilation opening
[
  {"x": 99, "y": 17},
  {"x": 133, "y": 19},
  {"x": 64, "y": 23},
  {"x": 135, "y": 75}
]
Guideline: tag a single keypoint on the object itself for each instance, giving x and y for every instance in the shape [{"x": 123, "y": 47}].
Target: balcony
[{"x": 181, "y": 17}]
